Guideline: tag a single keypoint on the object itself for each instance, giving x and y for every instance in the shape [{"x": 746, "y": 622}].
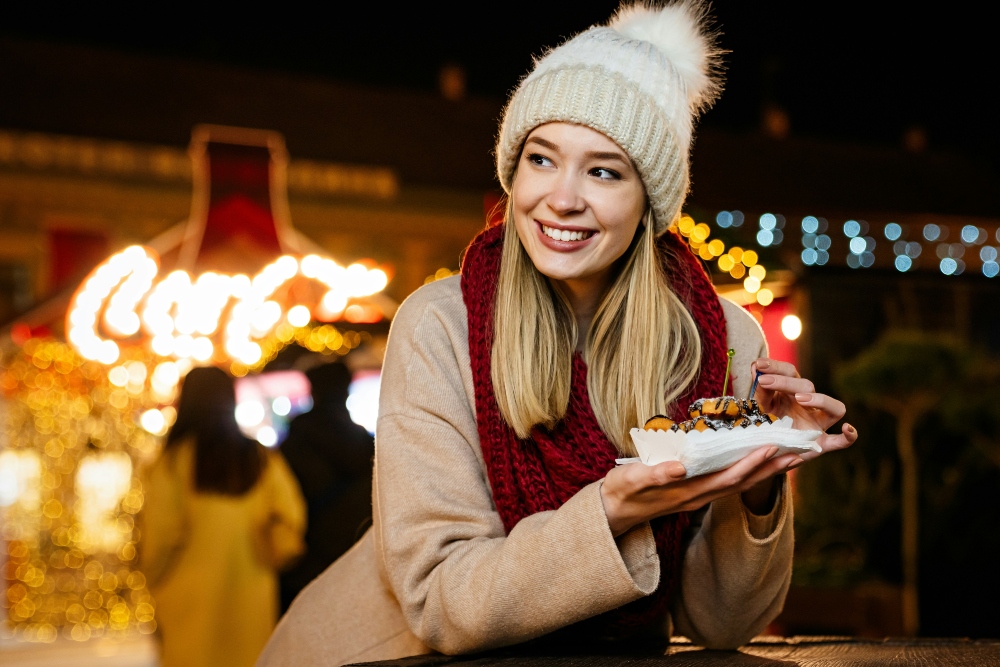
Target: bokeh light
[
  {"x": 180, "y": 314},
  {"x": 791, "y": 327}
]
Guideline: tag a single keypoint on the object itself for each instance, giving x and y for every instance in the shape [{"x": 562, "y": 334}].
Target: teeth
[{"x": 565, "y": 235}]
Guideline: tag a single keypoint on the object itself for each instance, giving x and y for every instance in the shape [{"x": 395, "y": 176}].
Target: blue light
[
  {"x": 858, "y": 245},
  {"x": 903, "y": 263},
  {"x": 913, "y": 249},
  {"x": 822, "y": 257},
  {"x": 768, "y": 221},
  {"x": 810, "y": 225},
  {"x": 778, "y": 237},
  {"x": 853, "y": 261},
  {"x": 969, "y": 234},
  {"x": 948, "y": 266},
  {"x": 899, "y": 247},
  {"x": 808, "y": 240},
  {"x": 823, "y": 242},
  {"x": 932, "y": 232},
  {"x": 893, "y": 231},
  {"x": 737, "y": 218},
  {"x": 867, "y": 259},
  {"x": 991, "y": 269},
  {"x": 809, "y": 256},
  {"x": 724, "y": 219},
  {"x": 988, "y": 253},
  {"x": 852, "y": 228},
  {"x": 764, "y": 237}
]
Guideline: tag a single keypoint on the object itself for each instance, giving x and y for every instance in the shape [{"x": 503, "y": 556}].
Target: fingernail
[
  {"x": 763, "y": 363},
  {"x": 801, "y": 397},
  {"x": 772, "y": 451},
  {"x": 850, "y": 429},
  {"x": 766, "y": 379},
  {"x": 795, "y": 464}
]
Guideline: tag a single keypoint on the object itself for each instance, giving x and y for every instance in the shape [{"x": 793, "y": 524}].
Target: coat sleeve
[
  {"x": 736, "y": 573},
  {"x": 462, "y": 584},
  {"x": 738, "y": 566},
  {"x": 163, "y": 520}
]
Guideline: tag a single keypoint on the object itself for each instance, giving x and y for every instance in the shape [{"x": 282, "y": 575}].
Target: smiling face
[{"x": 577, "y": 203}]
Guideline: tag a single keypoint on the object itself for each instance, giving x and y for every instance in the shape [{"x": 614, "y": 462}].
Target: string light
[
  {"x": 181, "y": 315},
  {"x": 74, "y": 429},
  {"x": 133, "y": 269},
  {"x": 68, "y": 493},
  {"x": 441, "y": 274},
  {"x": 736, "y": 261}
]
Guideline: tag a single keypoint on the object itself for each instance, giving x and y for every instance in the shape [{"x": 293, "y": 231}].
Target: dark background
[{"x": 847, "y": 71}]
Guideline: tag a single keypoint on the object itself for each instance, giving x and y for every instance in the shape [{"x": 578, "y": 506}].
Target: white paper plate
[{"x": 702, "y": 452}]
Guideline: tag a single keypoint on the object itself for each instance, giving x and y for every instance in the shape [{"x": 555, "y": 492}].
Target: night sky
[{"x": 843, "y": 71}]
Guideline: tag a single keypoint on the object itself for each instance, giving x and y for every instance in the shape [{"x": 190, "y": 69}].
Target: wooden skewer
[{"x": 729, "y": 364}]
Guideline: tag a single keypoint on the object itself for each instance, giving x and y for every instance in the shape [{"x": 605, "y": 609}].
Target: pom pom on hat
[{"x": 678, "y": 31}]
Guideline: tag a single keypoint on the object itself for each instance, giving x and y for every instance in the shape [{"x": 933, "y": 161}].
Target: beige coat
[
  {"x": 437, "y": 572},
  {"x": 207, "y": 559}
]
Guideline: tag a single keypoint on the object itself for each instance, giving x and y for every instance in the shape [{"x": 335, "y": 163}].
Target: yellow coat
[{"x": 210, "y": 559}]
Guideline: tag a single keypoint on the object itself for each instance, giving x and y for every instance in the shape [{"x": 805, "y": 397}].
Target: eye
[
  {"x": 605, "y": 174},
  {"x": 539, "y": 159}
]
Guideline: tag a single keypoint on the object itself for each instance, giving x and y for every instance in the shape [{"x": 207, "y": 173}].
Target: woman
[
  {"x": 222, "y": 514},
  {"x": 499, "y": 514}
]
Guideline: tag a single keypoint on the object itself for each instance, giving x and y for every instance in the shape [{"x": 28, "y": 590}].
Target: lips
[{"x": 565, "y": 234}]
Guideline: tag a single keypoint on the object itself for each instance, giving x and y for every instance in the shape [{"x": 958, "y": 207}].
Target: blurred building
[{"x": 93, "y": 157}]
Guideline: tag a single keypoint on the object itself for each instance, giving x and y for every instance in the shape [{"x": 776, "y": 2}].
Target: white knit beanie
[{"x": 640, "y": 80}]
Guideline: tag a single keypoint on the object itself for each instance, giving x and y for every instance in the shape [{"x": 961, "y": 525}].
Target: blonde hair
[{"x": 642, "y": 350}]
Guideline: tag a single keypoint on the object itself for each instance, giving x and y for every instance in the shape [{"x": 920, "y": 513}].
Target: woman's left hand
[{"x": 781, "y": 391}]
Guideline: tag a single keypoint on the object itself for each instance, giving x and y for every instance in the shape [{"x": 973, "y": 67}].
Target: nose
[{"x": 566, "y": 196}]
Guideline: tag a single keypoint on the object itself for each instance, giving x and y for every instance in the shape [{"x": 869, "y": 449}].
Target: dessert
[
  {"x": 715, "y": 414},
  {"x": 718, "y": 432},
  {"x": 659, "y": 423}
]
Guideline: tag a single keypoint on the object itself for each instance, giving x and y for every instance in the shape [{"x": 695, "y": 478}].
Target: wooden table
[{"x": 773, "y": 652}]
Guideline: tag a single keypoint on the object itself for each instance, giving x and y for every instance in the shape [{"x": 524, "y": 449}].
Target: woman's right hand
[{"x": 635, "y": 493}]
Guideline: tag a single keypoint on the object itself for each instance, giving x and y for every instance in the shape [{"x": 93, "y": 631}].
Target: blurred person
[
  {"x": 222, "y": 514},
  {"x": 332, "y": 458},
  {"x": 500, "y": 515}
]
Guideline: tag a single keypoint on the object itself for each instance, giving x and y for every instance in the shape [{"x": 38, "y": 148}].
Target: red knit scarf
[{"x": 544, "y": 471}]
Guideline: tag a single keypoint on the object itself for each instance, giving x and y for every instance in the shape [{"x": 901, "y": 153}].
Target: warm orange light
[{"x": 181, "y": 314}]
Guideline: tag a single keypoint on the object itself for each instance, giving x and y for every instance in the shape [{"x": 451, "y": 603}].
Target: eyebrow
[{"x": 597, "y": 155}]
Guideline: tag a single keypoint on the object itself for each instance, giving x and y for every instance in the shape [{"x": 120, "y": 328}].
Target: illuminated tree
[{"x": 908, "y": 375}]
